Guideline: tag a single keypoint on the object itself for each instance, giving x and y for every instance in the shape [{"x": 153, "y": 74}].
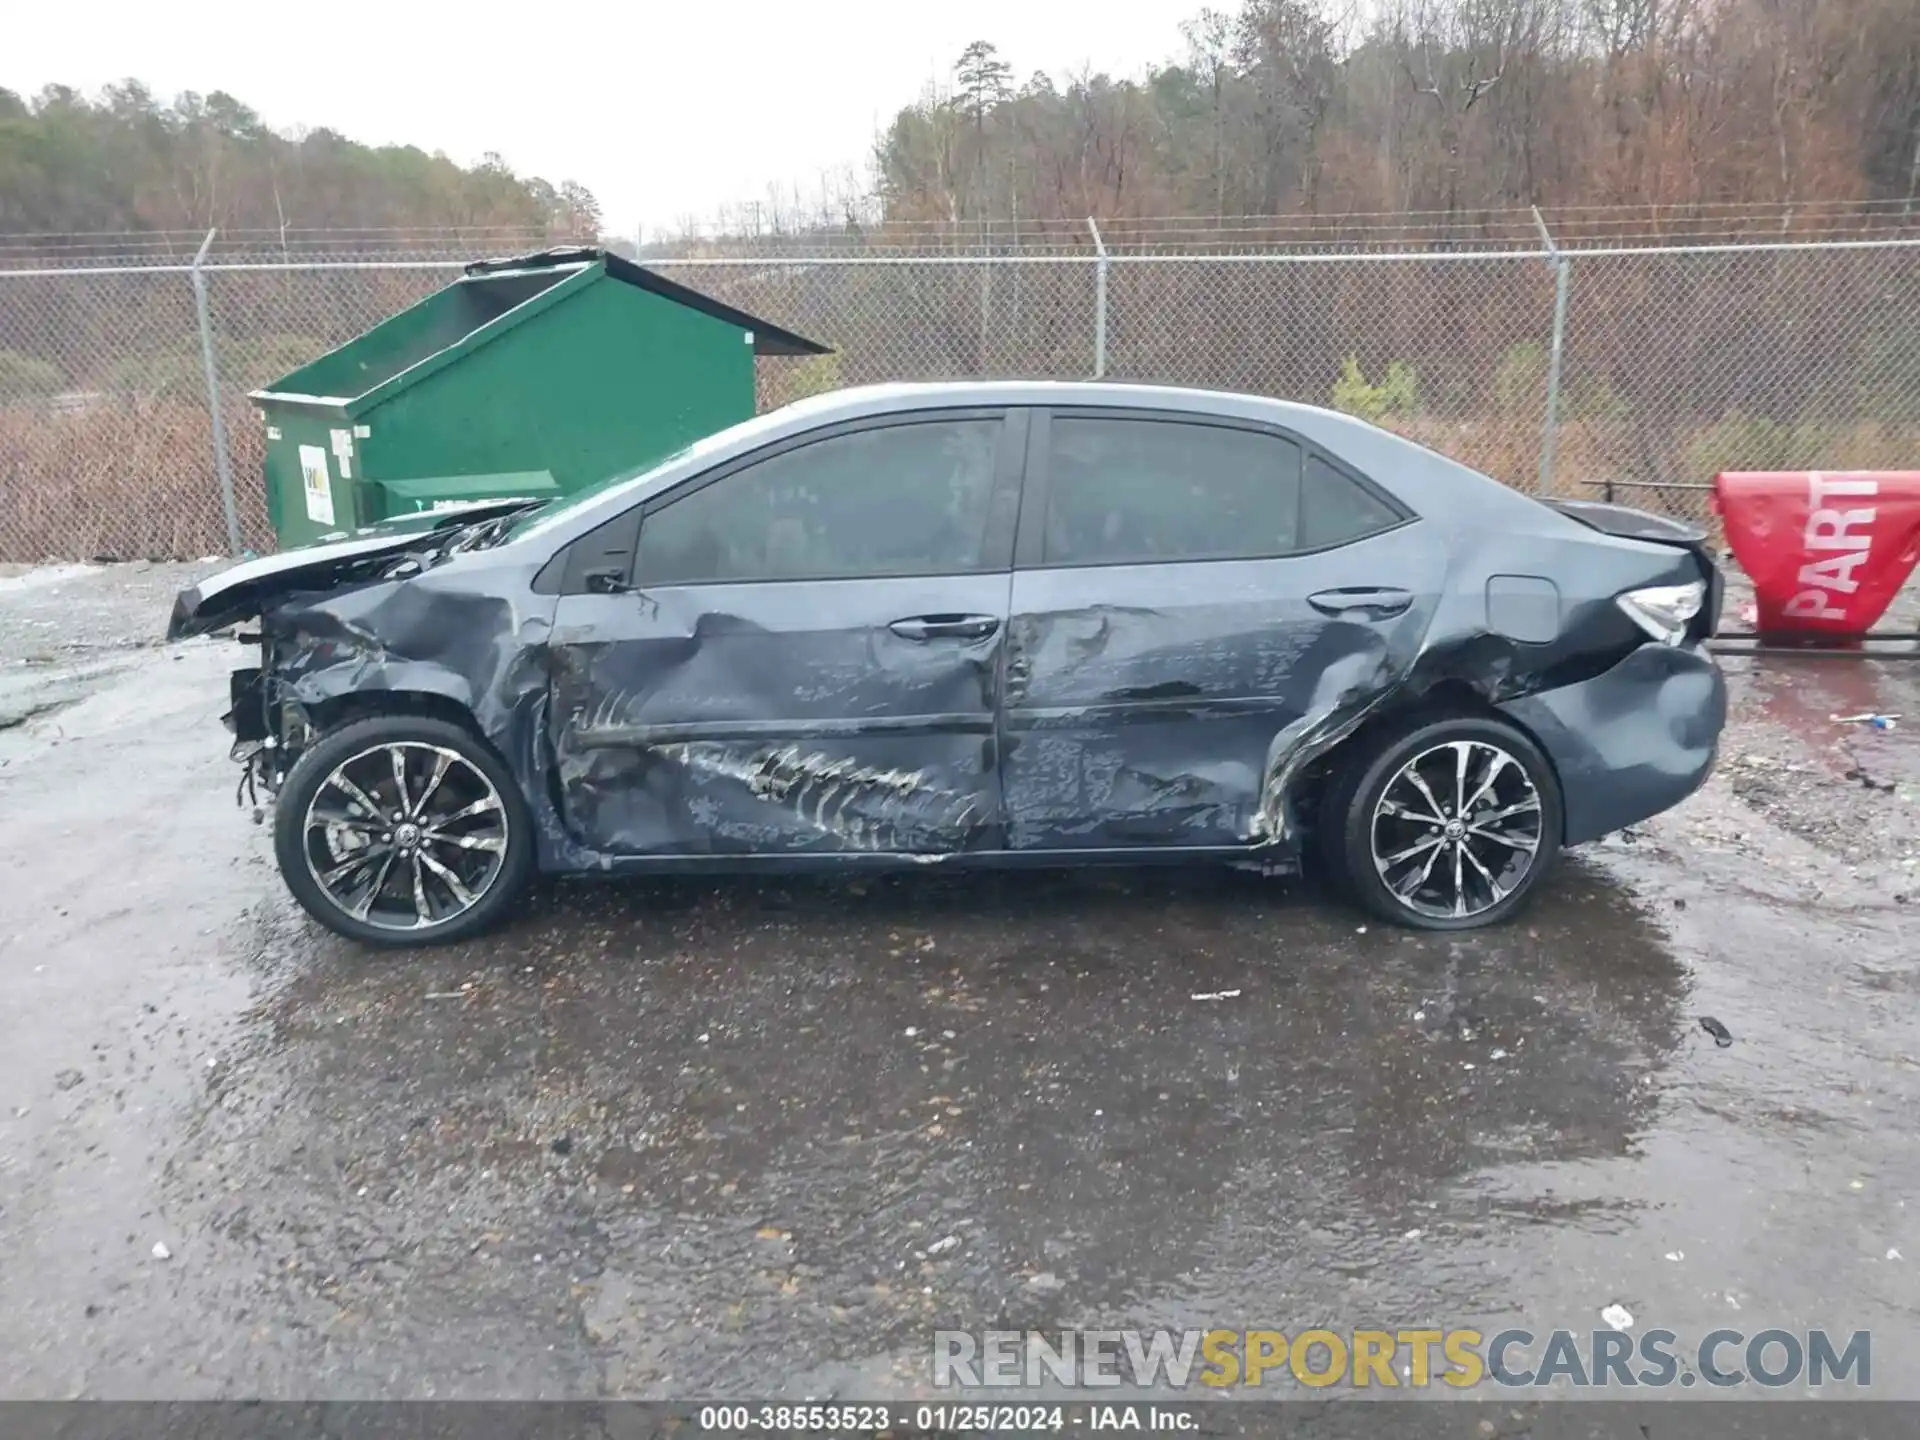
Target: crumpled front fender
[
  {"x": 475, "y": 648},
  {"x": 313, "y": 671}
]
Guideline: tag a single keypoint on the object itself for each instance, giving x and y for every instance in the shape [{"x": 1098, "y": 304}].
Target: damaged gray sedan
[{"x": 977, "y": 625}]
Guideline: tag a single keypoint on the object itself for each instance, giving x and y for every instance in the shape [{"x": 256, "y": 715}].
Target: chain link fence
[{"x": 1633, "y": 374}]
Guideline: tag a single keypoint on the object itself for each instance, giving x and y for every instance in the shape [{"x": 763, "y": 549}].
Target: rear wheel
[
  {"x": 402, "y": 831},
  {"x": 1447, "y": 823}
]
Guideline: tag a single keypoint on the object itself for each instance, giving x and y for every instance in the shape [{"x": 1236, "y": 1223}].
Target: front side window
[
  {"x": 908, "y": 499},
  {"x": 1140, "y": 491}
]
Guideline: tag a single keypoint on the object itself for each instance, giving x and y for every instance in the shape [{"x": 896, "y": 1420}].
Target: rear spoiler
[{"x": 1630, "y": 524}]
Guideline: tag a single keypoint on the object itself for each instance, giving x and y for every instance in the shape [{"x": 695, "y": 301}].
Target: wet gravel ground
[{"x": 726, "y": 1138}]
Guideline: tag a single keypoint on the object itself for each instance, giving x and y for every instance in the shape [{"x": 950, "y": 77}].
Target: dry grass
[
  {"x": 126, "y": 478},
  {"x": 1590, "y": 454},
  {"x": 133, "y": 477}
]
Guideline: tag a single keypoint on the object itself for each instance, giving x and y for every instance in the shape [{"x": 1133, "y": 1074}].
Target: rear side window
[
  {"x": 909, "y": 499},
  {"x": 1137, "y": 491},
  {"x": 1140, "y": 491}
]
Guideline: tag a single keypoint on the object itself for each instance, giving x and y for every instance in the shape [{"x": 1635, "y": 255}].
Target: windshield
[{"x": 531, "y": 522}]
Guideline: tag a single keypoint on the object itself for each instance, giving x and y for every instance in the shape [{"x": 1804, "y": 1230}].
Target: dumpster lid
[
  {"x": 418, "y": 341},
  {"x": 768, "y": 338},
  {"x": 450, "y": 489}
]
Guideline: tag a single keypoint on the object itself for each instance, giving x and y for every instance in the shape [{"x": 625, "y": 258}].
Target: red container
[{"x": 1827, "y": 550}]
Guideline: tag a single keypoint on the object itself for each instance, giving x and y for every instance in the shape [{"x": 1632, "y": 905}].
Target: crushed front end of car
[{"x": 342, "y": 619}]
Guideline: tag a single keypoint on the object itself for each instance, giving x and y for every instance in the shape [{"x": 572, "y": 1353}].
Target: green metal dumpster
[{"x": 528, "y": 376}]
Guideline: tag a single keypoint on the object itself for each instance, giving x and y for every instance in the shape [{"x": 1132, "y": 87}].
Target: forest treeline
[
  {"x": 1456, "y": 107},
  {"x": 1674, "y": 365},
  {"x": 1275, "y": 108},
  {"x": 125, "y": 161}
]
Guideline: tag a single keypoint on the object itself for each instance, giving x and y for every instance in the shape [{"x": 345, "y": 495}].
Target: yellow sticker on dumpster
[{"x": 319, "y": 488}]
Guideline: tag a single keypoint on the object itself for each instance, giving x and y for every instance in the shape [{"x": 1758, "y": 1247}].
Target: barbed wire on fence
[
  {"x": 1677, "y": 359},
  {"x": 860, "y": 235},
  {"x": 163, "y": 248}
]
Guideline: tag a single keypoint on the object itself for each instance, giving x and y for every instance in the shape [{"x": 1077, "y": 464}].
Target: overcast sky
[{"x": 663, "y": 108}]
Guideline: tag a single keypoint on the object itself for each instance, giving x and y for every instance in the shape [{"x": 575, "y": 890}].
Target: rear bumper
[{"x": 1632, "y": 741}]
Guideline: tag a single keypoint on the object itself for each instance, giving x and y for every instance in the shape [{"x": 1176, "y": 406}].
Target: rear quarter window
[{"x": 1338, "y": 509}]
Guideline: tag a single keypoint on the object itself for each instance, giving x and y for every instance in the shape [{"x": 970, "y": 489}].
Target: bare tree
[
  {"x": 1285, "y": 49},
  {"x": 1209, "y": 36}
]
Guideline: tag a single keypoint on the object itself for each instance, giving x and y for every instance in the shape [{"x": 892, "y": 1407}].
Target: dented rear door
[
  {"x": 807, "y": 654},
  {"x": 1192, "y": 598}
]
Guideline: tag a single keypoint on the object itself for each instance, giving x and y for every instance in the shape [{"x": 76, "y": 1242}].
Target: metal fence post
[
  {"x": 221, "y": 465},
  {"x": 1550, "y": 426},
  {"x": 1099, "y": 301},
  {"x": 1550, "y": 433}
]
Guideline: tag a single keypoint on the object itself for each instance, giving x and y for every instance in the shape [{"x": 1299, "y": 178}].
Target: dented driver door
[{"x": 804, "y": 656}]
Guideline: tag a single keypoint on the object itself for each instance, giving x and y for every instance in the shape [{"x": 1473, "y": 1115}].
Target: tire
[
  {"x": 1377, "y": 833},
  {"x": 462, "y": 853}
]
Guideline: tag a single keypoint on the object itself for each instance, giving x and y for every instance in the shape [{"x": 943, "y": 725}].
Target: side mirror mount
[{"x": 607, "y": 582}]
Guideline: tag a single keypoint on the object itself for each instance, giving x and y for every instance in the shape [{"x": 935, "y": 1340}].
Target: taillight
[{"x": 1663, "y": 611}]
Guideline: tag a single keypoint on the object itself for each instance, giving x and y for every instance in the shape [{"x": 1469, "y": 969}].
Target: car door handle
[
  {"x": 1347, "y": 599},
  {"x": 945, "y": 627}
]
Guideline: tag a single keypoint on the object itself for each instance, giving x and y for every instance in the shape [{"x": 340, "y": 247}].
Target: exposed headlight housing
[{"x": 1664, "y": 611}]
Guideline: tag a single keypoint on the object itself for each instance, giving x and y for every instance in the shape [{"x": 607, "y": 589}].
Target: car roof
[
  {"x": 1424, "y": 478},
  {"x": 859, "y": 401},
  {"x": 1347, "y": 437},
  {"x": 1429, "y": 482}
]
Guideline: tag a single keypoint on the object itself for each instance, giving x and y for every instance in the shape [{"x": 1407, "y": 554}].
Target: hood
[{"x": 244, "y": 590}]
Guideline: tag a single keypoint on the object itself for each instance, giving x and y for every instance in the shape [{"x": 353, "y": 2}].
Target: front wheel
[
  {"x": 1449, "y": 824},
  {"x": 401, "y": 831}
]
